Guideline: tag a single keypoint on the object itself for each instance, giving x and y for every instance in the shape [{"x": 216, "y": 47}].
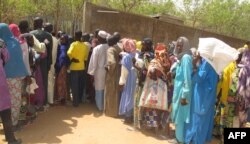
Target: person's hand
[
  {"x": 134, "y": 61},
  {"x": 152, "y": 75},
  {"x": 107, "y": 68},
  {"x": 30, "y": 41},
  {"x": 169, "y": 76},
  {"x": 74, "y": 60},
  {"x": 147, "y": 55},
  {"x": 46, "y": 41},
  {"x": 196, "y": 59},
  {"x": 184, "y": 101},
  {"x": 170, "y": 108},
  {"x": 121, "y": 87}
]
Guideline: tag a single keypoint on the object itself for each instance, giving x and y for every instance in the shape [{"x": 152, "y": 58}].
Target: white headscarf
[{"x": 217, "y": 53}]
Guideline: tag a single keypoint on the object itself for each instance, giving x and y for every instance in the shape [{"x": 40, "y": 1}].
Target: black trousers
[
  {"x": 45, "y": 73},
  {"x": 7, "y": 125},
  {"x": 77, "y": 85}
]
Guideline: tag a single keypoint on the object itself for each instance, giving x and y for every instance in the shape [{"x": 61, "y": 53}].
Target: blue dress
[
  {"x": 199, "y": 130},
  {"x": 182, "y": 89},
  {"x": 127, "y": 98}
]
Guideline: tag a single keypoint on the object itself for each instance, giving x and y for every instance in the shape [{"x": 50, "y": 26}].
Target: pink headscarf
[
  {"x": 129, "y": 45},
  {"x": 16, "y": 32}
]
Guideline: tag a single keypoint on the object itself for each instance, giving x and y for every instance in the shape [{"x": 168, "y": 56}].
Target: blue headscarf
[
  {"x": 15, "y": 67},
  {"x": 62, "y": 57}
]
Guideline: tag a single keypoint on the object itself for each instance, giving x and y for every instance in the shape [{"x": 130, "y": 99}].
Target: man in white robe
[
  {"x": 51, "y": 81},
  {"x": 97, "y": 68}
]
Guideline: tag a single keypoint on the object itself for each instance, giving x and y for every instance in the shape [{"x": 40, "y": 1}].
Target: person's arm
[
  {"x": 49, "y": 50},
  {"x": 38, "y": 47},
  {"x": 93, "y": 62},
  {"x": 124, "y": 73},
  {"x": 111, "y": 61},
  {"x": 72, "y": 53},
  {"x": 187, "y": 83}
]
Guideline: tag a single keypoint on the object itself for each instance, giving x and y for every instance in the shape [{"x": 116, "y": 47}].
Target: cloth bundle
[{"x": 217, "y": 53}]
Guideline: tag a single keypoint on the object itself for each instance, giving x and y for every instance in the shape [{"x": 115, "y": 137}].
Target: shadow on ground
[{"x": 56, "y": 122}]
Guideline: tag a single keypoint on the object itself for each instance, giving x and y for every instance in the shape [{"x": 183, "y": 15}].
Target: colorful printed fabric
[
  {"x": 61, "y": 85},
  {"x": 15, "y": 85},
  {"x": 137, "y": 109},
  {"x": 244, "y": 88},
  {"x": 232, "y": 100},
  {"x": 151, "y": 118},
  {"x": 154, "y": 95}
]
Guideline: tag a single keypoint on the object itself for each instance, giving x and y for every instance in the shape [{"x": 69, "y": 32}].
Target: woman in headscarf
[
  {"x": 143, "y": 59},
  {"x": 127, "y": 80},
  {"x": 226, "y": 110},
  {"x": 182, "y": 88},
  {"x": 16, "y": 33},
  {"x": 154, "y": 97},
  {"x": 61, "y": 66},
  {"x": 25, "y": 82},
  {"x": 205, "y": 79},
  {"x": 15, "y": 71},
  {"x": 244, "y": 88},
  {"x": 5, "y": 98}
]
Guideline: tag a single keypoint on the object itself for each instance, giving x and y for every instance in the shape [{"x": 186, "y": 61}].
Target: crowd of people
[{"x": 201, "y": 91}]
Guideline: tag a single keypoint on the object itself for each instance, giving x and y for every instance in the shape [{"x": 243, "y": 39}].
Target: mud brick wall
[{"x": 138, "y": 26}]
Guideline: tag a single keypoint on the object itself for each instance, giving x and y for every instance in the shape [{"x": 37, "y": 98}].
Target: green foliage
[{"x": 229, "y": 17}]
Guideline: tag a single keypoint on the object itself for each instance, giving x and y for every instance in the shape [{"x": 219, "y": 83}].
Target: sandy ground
[{"x": 82, "y": 125}]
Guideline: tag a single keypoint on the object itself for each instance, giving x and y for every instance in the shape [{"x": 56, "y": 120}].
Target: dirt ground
[{"x": 82, "y": 125}]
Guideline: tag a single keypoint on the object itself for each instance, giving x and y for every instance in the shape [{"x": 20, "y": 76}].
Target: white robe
[
  {"x": 97, "y": 65},
  {"x": 51, "y": 78}
]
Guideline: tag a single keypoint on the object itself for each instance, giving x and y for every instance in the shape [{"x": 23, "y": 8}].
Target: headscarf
[
  {"x": 185, "y": 47},
  {"x": 149, "y": 43},
  {"x": 139, "y": 45},
  {"x": 15, "y": 66},
  {"x": 129, "y": 45},
  {"x": 160, "y": 49},
  {"x": 16, "y": 32},
  {"x": 244, "y": 78},
  {"x": 161, "y": 61},
  {"x": 246, "y": 46},
  {"x": 66, "y": 37}
]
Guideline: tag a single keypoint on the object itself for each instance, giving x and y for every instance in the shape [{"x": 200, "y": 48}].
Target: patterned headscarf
[
  {"x": 129, "y": 45},
  {"x": 161, "y": 61},
  {"x": 160, "y": 49}
]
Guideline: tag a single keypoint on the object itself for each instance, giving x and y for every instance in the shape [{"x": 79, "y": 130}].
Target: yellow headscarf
[
  {"x": 139, "y": 45},
  {"x": 245, "y": 46}
]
